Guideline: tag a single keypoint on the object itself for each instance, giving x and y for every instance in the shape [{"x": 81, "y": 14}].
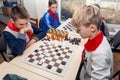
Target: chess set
[
  {"x": 51, "y": 56},
  {"x": 69, "y": 27},
  {"x": 65, "y": 36},
  {"x": 73, "y": 41},
  {"x": 56, "y": 34}
]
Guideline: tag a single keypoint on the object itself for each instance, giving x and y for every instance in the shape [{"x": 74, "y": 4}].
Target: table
[
  {"x": 71, "y": 70},
  {"x": 70, "y": 73},
  {"x": 7, "y": 68}
]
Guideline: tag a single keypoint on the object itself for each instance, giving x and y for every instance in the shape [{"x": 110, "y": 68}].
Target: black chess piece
[
  {"x": 73, "y": 41},
  {"x": 58, "y": 54},
  {"x": 63, "y": 62},
  {"x": 64, "y": 28},
  {"x": 59, "y": 46},
  {"x": 79, "y": 40},
  {"x": 36, "y": 50},
  {"x": 59, "y": 70},
  {"x": 56, "y": 50},
  {"x": 49, "y": 66},
  {"x": 66, "y": 38},
  {"x": 76, "y": 41}
]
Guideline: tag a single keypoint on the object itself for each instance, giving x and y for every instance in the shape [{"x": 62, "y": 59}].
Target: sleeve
[
  {"x": 101, "y": 67},
  {"x": 39, "y": 33},
  {"x": 58, "y": 22},
  {"x": 17, "y": 45},
  {"x": 47, "y": 21}
]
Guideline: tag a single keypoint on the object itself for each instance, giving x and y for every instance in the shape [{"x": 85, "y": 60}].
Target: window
[
  {"x": 111, "y": 11},
  {"x": 110, "y": 0},
  {"x": 69, "y": 6},
  {"x": 1, "y": 4}
]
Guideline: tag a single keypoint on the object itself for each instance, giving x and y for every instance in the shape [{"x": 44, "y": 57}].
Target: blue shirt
[
  {"x": 48, "y": 22},
  {"x": 17, "y": 45}
]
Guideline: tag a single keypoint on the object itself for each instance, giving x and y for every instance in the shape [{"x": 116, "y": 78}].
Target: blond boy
[{"x": 97, "y": 57}]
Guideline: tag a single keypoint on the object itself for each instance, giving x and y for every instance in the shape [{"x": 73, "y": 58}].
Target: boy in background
[
  {"x": 97, "y": 57},
  {"x": 18, "y": 32},
  {"x": 50, "y": 18}
]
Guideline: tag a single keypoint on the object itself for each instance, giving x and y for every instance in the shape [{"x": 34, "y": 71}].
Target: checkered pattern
[
  {"x": 68, "y": 26},
  {"x": 51, "y": 57}
]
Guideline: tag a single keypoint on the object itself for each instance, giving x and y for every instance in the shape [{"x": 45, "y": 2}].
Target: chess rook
[{"x": 56, "y": 34}]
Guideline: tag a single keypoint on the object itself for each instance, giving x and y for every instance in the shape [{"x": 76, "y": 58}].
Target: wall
[
  {"x": 30, "y": 6},
  {"x": 41, "y": 7},
  {"x": 59, "y": 9},
  {"x": 36, "y": 8}
]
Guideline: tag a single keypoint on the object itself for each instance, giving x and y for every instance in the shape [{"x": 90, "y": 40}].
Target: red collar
[
  {"x": 13, "y": 27},
  {"x": 53, "y": 14},
  {"x": 93, "y": 44}
]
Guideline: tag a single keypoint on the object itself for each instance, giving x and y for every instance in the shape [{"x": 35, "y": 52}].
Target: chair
[
  {"x": 40, "y": 24},
  {"x": 3, "y": 47},
  {"x": 1, "y": 58},
  {"x": 117, "y": 73},
  {"x": 34, "y": 21},
  {"x": 3, "y": 43},
  {"x": 115, "y": 41}
]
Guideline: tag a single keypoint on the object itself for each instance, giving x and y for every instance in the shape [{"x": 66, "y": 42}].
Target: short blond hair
[{"x": 87, "y": 15}]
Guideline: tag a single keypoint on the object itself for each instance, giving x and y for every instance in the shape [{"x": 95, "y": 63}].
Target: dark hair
[
  {"x": 19, "y": 12},
  {"x": 52, "y": 2}
]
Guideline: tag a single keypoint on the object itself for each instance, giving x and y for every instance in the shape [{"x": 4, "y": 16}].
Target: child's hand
[
  {"x": 26, "y": 29},
  {"x": 30, "y": 43}
]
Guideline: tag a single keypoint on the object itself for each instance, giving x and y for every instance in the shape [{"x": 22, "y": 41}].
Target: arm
[
  {"x": 39, "y": 35},
  {"x": 101, "y": 67},
  {"x": 58, "y": 21},
  {"x": 17, "y": 45},
  {"x": 47, "y": 22}
]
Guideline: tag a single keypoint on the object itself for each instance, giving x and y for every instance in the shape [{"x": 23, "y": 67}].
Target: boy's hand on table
[{"x": 30, "y": 43}]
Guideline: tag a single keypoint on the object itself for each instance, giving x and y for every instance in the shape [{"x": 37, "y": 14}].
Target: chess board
[
  {"x": 67, "y": 26},
  {"x": 51, "y": 56}
]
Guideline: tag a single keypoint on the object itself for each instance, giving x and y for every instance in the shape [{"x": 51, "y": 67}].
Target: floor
[{"x": 115, "y": 54}]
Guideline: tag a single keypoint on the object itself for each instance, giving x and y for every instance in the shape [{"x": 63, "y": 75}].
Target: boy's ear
[{"x": 93, "y": 28}]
